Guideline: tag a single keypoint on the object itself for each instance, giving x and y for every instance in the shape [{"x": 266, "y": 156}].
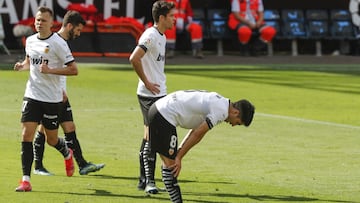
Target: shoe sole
[
  {"x": 152, "y": 192},
  {"x": 42, "y": 173},
  {"x": 97, "y": 169},
  {"x": 16, "y": 190}
]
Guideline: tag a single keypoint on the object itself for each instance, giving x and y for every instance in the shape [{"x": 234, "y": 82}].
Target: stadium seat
[
  {"x": 293, "y": 21},
  {"x": 218, "y": 28},
  {"x": 341, "y": 26},
  {"x": 343, "y": 29},
  {"x": 317, "y": 26}
]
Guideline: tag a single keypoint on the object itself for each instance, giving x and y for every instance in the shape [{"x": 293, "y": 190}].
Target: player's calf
[{"x": 171, "y": 185}]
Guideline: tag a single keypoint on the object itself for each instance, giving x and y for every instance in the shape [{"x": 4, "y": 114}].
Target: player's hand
[
  {"x": 176, "y": 168},
  {"x": 65, "y": 97},
  {"x": 18, "y": 66},
  {"x": 153, "y": 88},
  {"x": 44, "y": 68}
]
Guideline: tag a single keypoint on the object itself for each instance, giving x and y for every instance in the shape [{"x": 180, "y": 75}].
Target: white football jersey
[
  {"x": 153, "y": 61},
  {"x": 189, "y": 108},
  {"x": 54, "y": 49}
]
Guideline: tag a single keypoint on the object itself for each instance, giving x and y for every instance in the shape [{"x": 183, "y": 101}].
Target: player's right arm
[
  {"x": 193, "y": 137},
  {"x": 135, "y": 60},
  {"x": 24, "y": 65}
]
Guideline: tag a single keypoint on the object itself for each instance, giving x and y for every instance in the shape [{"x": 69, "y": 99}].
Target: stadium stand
[
  {"x": 117, "y": 36},
  {"x": 87, "y": 44},
  {"x": 292, "y": 25},
  {"x": 118, "y": 39},
  {"x": 2, "y": 37}
]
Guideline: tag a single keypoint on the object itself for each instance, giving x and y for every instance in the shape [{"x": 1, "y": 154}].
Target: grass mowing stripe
[{"x": 283, "y": 157}]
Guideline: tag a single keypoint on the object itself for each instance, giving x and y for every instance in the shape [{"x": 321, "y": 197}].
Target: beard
[{"x": 72, "y": 34}]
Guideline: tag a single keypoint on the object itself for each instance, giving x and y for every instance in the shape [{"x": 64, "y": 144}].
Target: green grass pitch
[{"x": 303, "y": 145}]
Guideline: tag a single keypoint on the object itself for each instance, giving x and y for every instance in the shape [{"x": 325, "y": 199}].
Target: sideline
[{"x": 309, "y": 121}]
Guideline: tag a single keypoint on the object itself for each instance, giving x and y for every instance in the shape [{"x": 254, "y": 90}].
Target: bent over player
[{"x": 198, "y": 111}]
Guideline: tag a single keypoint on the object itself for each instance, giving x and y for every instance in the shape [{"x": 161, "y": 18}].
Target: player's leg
[
  {"x": 73, "y": 143},
  {"x": 39, "y": 147},
  {"x": 142, "y": 179},
  {"x": 28, "y": 130},
  {"x": 69, "y": 128},
  {"x": 59, "y": 144},
  {"x": 30, "y": 117},
  {"x": 51, "y": 125},
  {"x": 170, "y": 180},
  {"x": 163, "y": 139},
  {"x": 147, "y": 158}
]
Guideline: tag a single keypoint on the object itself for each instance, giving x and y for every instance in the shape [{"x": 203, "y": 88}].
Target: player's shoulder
[
  {"x": 32, "y": 37},
  {"x": 152, "y": 32},
  {"x": 56, "y": 37},
  {"x": 59, "y": 41}
]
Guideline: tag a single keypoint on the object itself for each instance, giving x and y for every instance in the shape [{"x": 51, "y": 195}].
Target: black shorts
[
  {"x": 163, "y": 135},
  {"x": 145, "y": 103},
  {"x": 65, "y": 112},
  {"x": 41, "y": 112}
]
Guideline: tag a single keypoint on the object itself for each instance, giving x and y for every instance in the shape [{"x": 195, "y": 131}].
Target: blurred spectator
[
  {"x": 184, "y": 23},
  {"x": 247, "y": 18}
]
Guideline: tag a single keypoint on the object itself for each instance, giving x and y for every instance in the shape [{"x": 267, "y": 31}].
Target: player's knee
[{"x": 68, "y": 126}]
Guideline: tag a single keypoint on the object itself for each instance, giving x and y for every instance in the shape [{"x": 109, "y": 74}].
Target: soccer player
[
  {"x": 148, "y": 61},
  {"x": 71, "y": 28},
  {"x": 198, "y": 111},
  {"x": 46, "y": 55}
]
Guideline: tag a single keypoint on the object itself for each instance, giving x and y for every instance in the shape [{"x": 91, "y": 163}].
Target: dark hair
[
  {"x": 161, "y": 8},
  {"x": 74, "y": 18},
  {"x": 43, "y": 9},
  {"x": 246, "y": 111}
]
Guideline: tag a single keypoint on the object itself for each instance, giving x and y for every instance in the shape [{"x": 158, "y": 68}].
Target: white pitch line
[
  {"x": 257, "y": 114},
  {"x": 308, "y": 121}
]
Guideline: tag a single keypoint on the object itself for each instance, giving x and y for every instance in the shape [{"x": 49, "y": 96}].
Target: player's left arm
[{"x": 191, "y": 139}]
